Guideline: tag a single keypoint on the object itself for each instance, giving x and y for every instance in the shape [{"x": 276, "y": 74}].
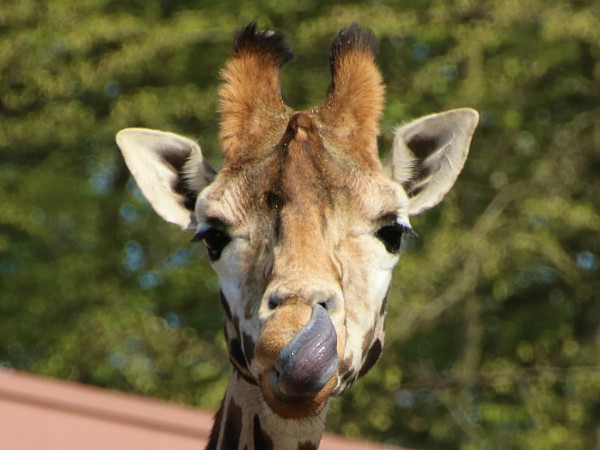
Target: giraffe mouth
[
  {"x": 298, "y": 379},
  {"x": 309, "y": 360}
]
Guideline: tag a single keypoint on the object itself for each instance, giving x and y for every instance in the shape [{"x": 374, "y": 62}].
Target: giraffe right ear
[
  {"x": 169, "y": 170},
  {"x": 428, "y": 154}
]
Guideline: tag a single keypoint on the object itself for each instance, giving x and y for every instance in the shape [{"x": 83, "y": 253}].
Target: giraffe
[{"x": 303, "y": 226}]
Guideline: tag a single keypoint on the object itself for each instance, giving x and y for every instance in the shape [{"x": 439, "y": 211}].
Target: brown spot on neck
[
  {"x": 213, "y": 440},
  {"x": 372, "y": 356},
  {"x": 261, "y": 440},
  {"x": 233, "y": 426}
]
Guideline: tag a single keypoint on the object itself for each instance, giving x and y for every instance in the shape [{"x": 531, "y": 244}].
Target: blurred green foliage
[{"x": 493, "y": 332}]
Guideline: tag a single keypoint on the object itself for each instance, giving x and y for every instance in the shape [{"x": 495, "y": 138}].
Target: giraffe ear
[
  {"x": 169, "y": 170},
  {"x": 428, "y": 154}
]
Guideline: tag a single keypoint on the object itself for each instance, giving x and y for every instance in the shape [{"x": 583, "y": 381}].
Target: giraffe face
[
  {"x": 303, "y": 238},
  {"x": 303, "y": 224}
]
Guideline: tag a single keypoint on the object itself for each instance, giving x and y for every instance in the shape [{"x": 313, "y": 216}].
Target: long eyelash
[
  {"x": 199, "y": 236},
  {"x": 409, "y": 231},
  {"x": 204, "y": 228},
  {"x": 405, "y": 227}
]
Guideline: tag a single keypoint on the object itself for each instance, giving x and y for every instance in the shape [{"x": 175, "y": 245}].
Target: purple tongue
[{"x": 310, "y": 359}]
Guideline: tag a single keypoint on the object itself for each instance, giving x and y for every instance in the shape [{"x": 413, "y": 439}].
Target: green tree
[{"x": 493, "y": 333}]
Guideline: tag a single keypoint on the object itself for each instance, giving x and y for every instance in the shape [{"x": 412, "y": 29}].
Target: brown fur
[
  {"x": 351, "y": 113},
  {"x": 253, "y": 114},
  {"x": 250, "y": 97}
]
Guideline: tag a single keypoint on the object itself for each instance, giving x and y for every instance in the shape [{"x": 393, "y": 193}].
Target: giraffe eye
[
  {"x": 215, "y": 241},
  {"x": 391, "y": 236}
]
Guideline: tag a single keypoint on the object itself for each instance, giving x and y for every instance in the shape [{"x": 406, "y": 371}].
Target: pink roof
[{"x": 46, "y": 414}]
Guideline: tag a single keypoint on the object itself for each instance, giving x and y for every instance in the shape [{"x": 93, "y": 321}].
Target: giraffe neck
[{"x": 244, "y": 421}]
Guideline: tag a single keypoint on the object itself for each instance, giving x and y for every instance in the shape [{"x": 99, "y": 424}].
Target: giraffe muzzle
[
  {"x": 298, "y": 352},
  {"x": 310, "y": 359}
]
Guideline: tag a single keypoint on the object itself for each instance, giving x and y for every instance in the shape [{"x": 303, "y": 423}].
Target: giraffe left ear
[
  {"x": 428, "y": 154},
  {"x": 169, "y": 170}
]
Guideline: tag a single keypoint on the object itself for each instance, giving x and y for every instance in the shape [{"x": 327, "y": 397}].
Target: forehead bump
[{"x": 300, "y": 128}]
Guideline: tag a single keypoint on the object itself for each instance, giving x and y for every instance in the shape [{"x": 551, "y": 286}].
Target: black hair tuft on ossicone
[
  {"x": 266, "y": 42},
  {"x": 352, "y": 38}
]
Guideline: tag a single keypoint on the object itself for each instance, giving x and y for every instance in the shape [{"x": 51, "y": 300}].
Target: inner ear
[
  {"x": 195, "y": 175},
  {"x": 187, "y": 193},
  {"x": 422, "y": 146},
  {"x": 182, "y": 183},
  {"x": 422, "y": 167}
]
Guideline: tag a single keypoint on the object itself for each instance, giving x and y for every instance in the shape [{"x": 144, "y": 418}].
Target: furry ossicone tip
[
  {"x": 353, "y": 38},
  {"x": 264, "y": 42}
]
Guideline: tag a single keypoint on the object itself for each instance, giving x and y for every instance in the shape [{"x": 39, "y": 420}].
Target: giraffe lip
[{"x": 309, "y": 360}]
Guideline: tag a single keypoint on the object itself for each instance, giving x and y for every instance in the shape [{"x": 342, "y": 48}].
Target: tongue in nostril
[{"x": 310, "y": 359}]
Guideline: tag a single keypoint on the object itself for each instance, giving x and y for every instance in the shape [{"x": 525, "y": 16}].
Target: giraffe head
[{"x": 304, "y": 223}]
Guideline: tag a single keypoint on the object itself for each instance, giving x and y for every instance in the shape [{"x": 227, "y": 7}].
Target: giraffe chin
[{"x": 294, "y": 406}]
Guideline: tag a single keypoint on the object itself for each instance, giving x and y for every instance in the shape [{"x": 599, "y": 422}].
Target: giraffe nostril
[
  {"x": 272, "y": 304},
  {"x": 328, "y": 304}
]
